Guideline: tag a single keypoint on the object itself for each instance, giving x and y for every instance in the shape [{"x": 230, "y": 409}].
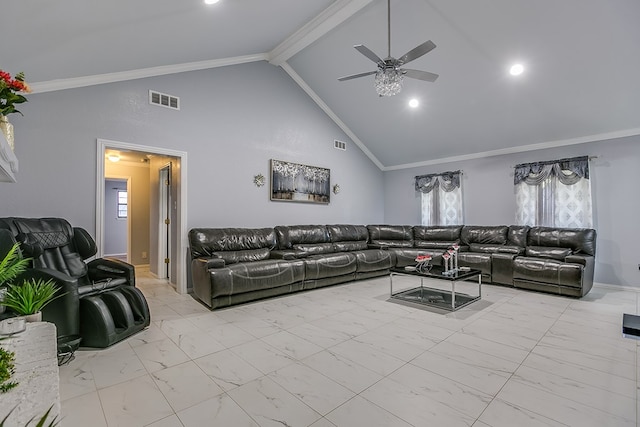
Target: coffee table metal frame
[{"x": 426, "y": 293}]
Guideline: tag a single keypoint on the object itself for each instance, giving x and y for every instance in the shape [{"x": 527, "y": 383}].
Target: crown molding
[
  {"x": 314, "y": 96},
  {"x": 327, "y": 20},
  {"x": 521, "y": 149},
  {"x": 76, "y": 82}
]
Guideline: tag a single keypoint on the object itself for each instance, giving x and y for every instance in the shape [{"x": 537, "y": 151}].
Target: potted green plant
[
  {"x": 11, "y": 266},
  {"x": 30, "y": 297}
]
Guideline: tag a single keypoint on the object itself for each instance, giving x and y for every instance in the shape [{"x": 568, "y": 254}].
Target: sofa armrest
[
  {"x": 288, "y": 254},
  {"x": 209, "y": 263},
  {"x": 108, "y": 268},
  {"x": 588, "y": 261},
  {"x": 579, "y": 259}
]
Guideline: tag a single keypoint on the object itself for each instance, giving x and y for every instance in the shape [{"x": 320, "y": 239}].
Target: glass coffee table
[{"x": 440, "y": 298}]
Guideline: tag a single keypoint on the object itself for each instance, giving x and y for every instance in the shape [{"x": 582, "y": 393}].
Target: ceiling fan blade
[
  {"x": 420, "y": 75},
  {"x": 368, "y": 53},
  {"x": 355, "y": 76},
  {"x": 417, "y": 52}
]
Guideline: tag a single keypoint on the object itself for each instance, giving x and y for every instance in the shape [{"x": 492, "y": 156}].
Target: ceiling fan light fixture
[{"x": 388, "y": 81}]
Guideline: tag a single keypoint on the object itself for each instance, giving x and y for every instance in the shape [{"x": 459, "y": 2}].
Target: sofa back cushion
[
  {"x": 288, "y": 236},
  {"x": 347, "y": 237},
  {"x": 579, "y": 240},
  {"x": 393, "y": 236},
  {"x": 517, "y": 235},
  {"x": 314, "y": 248},
  {"x": 436, "y": 237},
  {"x": 490, "y": 235},
  {"x": 207, "y": 242}
]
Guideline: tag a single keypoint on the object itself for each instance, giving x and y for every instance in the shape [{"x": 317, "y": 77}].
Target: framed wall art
[{"x": 293, "y": 182}]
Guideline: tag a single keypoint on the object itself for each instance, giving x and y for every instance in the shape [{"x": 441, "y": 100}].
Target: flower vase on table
[
  {"x": 423, "y": 263},
  {"x": 7, "y": 130},
  {"x": 11, "y": 90}
]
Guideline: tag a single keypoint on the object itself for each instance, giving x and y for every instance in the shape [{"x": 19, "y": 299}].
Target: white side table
[{"x": 36, "y": 373}]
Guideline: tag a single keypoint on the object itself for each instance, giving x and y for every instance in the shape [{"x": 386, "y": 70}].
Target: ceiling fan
[{"x": 389, "y": 75}]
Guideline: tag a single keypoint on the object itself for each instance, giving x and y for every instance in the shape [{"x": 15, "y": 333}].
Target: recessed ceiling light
[
  {"x": 516, "y": 69},
  {"x": 211, "y": 1},
  {"x": 414, "y": 103},
  {"x": 114, "y": 157}
]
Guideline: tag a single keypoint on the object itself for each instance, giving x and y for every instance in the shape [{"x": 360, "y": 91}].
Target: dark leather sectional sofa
[{"x": 235, "y": 265}]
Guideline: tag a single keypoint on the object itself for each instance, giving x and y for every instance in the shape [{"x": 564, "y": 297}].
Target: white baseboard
[{"x": 616, "y": 287}]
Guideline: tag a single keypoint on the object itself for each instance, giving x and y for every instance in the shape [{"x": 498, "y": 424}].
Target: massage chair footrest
[{"x": 110, "y": 317}]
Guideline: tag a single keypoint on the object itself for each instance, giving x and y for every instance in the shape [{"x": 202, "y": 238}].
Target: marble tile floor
[{"x": 345, "y": 356}]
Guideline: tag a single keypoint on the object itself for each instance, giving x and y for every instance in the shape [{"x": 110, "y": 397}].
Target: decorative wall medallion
[
  {"x": 259, "y": 180},
  {"x": 336, "y": 189}
]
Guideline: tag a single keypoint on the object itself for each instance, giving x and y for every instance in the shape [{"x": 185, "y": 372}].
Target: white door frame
[
  {"x": 164, "y": 243},
  {"x": 102, "y": 145}
]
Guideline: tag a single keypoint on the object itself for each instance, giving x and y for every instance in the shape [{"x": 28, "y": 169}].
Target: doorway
[
  {"x": 173, "y": 201},
  {"x": 117, "y": 192}
]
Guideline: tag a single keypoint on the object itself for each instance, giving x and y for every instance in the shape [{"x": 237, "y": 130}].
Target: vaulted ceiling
[{"x": 581, "y": 81}]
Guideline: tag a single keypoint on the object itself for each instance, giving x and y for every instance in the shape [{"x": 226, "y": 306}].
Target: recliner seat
[{"x": 101, "y": 303}]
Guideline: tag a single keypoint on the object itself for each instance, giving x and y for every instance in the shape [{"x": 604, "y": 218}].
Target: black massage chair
[{"x": 100, "y": 305}]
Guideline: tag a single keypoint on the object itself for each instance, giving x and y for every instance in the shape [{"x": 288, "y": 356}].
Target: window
[
  {"x": 122, "y": 204},
  {"x": 554, "y": 194},
  {"x": 441, "y": 198}
]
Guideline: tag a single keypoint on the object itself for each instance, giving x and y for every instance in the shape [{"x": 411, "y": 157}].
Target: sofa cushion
[
  {"x": 350, "y": 246},
  {"x": 315, "y": 248},
  {"x": 494, "y": 249},
  {"x": 494, "y": 235},
  {"x": 391, "y": 236},
  {"x": 329, "y": 265},
  {"x": 549, "y": 271},
  {"x": 580, "y": 240},
  {"x": 346, "y": 232},
  {"x": 253, "y": 276},
  {"x": 289, "y": 236},
  {"x": 548, "y": 252},
  {"x": 373, "y": 260},
  {"x": 232, "y": 257},
  {"x": 434, "y": 245},
  {"x": 517, "y": 235},
  {"x": 347, "y": 238},
  {"x": 445, "y": 233},
  {"x": 205, "y": 241}
]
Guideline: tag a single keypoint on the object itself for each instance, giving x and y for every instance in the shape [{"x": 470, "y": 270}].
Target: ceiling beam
[{"x": 327, "y": 20}]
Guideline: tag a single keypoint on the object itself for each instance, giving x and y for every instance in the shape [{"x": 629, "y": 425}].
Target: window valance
[
  {"x": 447, "y": 181},
  {"x": 568, "y": 171}
]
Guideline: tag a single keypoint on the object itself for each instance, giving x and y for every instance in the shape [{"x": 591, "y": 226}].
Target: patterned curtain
[
  {"x": 555, "y": 193},
  {"x": 441, "y": 196}
]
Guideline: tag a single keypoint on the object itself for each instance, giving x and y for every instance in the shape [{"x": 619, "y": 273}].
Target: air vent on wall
[
  {"x": 339, "y": 145},
  {"x": 164, "y": 100}
]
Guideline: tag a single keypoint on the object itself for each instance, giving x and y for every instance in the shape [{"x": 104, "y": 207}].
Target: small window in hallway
[{"x": 122, "y": 204}]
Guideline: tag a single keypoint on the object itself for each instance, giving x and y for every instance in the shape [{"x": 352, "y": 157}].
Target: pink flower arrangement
[
  {"x": 10, "y": 89},
  {"x": 423, "y": 258}
]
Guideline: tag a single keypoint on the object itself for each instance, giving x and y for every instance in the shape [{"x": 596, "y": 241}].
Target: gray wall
[
  {"x": 232, "y": 121},
  {"x": 489, "y": 199},
  {"x": 115, "y": 229}
]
